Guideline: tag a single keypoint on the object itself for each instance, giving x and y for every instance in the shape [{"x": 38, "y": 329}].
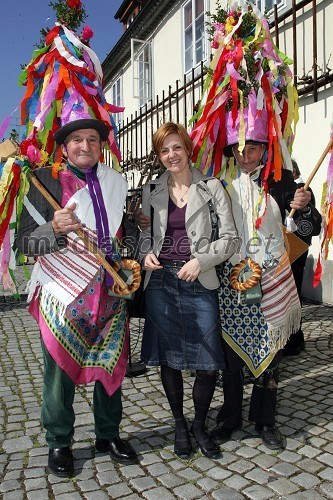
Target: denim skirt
[{"x": 182, "y": 328}]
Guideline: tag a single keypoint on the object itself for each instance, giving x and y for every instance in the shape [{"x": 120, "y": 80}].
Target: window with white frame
[
  {"x": 195, "y": 42},
  {"x": 117, "y": 99},
  {"x": 141, "y": 65},
  {"x": 267, "y": 6}
]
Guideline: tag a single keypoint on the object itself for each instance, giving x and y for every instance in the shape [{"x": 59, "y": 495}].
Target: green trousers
[{"x": 57, "y": 409}]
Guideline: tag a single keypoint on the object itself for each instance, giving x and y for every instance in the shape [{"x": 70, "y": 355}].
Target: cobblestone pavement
[{"x": 247, "y": 470}]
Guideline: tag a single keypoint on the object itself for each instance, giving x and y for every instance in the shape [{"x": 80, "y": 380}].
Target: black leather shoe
[
  {"x": 183, "y": 446},
  {"x": 221, "y": 433},
  {"x": 207, "y": 445},
  {"x": 60, "y": 462},
  {"x": 270, "y": 436},
  {"x": 119, "y": 450}
]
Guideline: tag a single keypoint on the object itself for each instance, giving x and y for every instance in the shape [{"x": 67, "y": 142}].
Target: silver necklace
[{"x": 184, "y": 193}]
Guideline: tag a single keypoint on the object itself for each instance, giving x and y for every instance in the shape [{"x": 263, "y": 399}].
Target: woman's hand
[
  {"x": 301, "y": 199},
  {"x": 151, "y": 262},
  {"x": 65, "y": 221},
  {"x": 190, "y": 271}
]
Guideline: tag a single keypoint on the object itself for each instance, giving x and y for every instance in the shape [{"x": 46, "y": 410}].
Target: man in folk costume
[
  {"x": 242, "y": 134},
  {"x": 83, "y": 328},
  {"x": 84, "y": 337}
]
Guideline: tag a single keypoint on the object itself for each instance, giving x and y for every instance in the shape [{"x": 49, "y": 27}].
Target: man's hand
[
  {"x": 143, "y": 221},
  {"x": 64, "y": 221},
  {"x": 301, "y": 199},
  {"x": 190, "y": 271}
]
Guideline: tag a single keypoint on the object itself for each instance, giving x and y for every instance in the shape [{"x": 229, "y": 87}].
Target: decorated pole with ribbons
[
  {"x": 64, "y": 72},
  {"x": 326, "y": 235},
  {"x": 314, "y": 171}
]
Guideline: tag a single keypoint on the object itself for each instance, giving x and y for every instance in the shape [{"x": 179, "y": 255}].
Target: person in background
[
  {"x": 83, "y": 329},
  {"x": 252, "y": 325},
  {"x": 296, "y": 342},
  {"x": 182, "y": 329},
  {"x": 243, "y": 133}
]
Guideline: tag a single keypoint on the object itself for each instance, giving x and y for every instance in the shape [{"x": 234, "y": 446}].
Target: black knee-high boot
[
  {"x": 264, "y": 397},
  {"x": 233, "y": 387}
]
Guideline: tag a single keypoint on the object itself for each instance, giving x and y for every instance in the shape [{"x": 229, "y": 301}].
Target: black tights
[{"x": 203, "y": 391}]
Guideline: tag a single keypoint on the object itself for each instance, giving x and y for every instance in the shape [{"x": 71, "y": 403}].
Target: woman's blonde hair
[{"x": 171, "y": 128}]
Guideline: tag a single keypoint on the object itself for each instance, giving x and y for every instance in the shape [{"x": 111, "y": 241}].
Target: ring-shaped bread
[
  {"x": 252, "y": 281},
  {"x": 135, "y": 267}
]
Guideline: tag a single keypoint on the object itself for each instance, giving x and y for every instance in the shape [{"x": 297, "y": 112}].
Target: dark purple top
[{"x": 176, "y": 244}]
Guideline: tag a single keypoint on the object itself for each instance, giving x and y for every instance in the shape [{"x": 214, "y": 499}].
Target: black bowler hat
[{"x": 82, "y": 123}]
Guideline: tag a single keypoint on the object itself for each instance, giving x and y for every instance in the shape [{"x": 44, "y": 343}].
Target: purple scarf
[{"x": 103, "y": 233}]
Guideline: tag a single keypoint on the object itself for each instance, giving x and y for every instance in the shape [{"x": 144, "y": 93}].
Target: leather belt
[{"x": 172, "y": 263}]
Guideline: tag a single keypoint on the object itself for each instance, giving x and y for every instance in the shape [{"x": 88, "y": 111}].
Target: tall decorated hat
[
  {"x": 63, "y": 76},
  {"x": 248, "y": 94}
]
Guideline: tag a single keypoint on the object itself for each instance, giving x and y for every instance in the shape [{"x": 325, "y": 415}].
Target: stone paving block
[
  {"x": 236, "y": 482},
  {"x": 207, "y": 484},
  {"x": 305, "y": 480},
  {"x": 142, "y": 483},
  {"x": 157, "y": 494},
  {"x": 247, "y": 452},
  {"x": 37, "y": 494},
  {"x": 226, "y": 494},
  {"x": 284, "y": 469},
  {"x": 63, "y": 487},
  {"x": 176, "y": 464},
  {"x": 202, "y": 463},
  {"x": 265, "y": 461},
  {"x": 37, "y": 461},
  {"x": 327, "y": 489},
  {"x": 289, "y": 456},
  {"x": 150, "y": 458},
  {"x": 19, "y": 444},
  {"x": 309, "y": 465},
  {"x": 189, "y": 474},
  {"x": 309, "y": 451},
  {"x": 130, "y": 471},
  {"x": 36, "y": 483},
  {"x": 158, "y": 469},
  {"x": 218, "y": 473},
  {"x": 241, "y": 466},
  {"x": 108, "y": 477},
  {"x": 326, "y": 474},
  {"x": 283, "y": 487},
  {"x": 88, "y": 485},
  {"x": 258, "y": 475},
  {"x": 81, "y": 474},
  {"x": 187, "y": 491},
  {"x": 326, "y": 458},
  {"x": 10, "y": 485},
  {"x": 257, "y": 492},
  {"x": 166, "y": 454},
  {"x": 15, "y": 495},
  {"x": 13, "y": 474}
]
